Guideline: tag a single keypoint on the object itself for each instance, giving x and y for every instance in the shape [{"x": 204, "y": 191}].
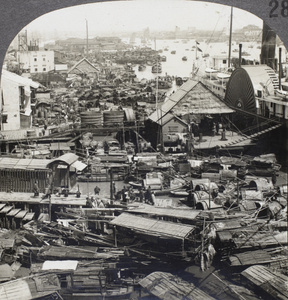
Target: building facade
[
  {"x": 15, "y": 104},
  {"x": 36, "y": 61}
]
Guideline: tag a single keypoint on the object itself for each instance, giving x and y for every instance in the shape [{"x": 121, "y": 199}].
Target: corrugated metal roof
[
  {"x": 188, "y": 214},
  {"x": 191, "y": 97},
  {"x": 23, "y": 163},
  {"x": 153, "y": 227}
]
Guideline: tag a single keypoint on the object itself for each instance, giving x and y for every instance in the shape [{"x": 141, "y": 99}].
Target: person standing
[
  {"x": 96, "y": 190},
  {"x": 36, "y": 189}
]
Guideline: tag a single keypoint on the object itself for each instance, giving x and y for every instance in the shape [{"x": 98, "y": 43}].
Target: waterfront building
[
  {"x": 16, "y": 95},
  {"x": 36, "y": 61},
  {"x": 191, "y": 103},
  {"x": 84, "y": 67}
]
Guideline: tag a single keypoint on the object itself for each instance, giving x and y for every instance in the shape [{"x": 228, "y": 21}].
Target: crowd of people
[{"x": 125, "y": 195}]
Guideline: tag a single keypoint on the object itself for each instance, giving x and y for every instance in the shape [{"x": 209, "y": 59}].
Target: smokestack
[
  {"x": 240, "y": 55},
  {"x": 268, "y": 46}
]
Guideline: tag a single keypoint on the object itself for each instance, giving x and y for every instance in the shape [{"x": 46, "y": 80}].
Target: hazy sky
[{"x": 139, "y": 14}]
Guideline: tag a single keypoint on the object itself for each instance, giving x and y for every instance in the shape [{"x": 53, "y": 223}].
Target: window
[
  {"x": 35, "y": 69},
  {"x": 44, "y": 69},
  {"x": 44, "y": 59},
  {"x": 35, "y": 58},
  {"x": 224, "y": 61},
  {"x": 4, "y": 118},
  {"x": 22, "y": 98}
]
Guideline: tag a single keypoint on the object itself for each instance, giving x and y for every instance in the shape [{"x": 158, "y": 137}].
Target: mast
[
  {"x": 86, "y": 38},
  {"x": 230, "y": 38},
  {"x": 160, "y": 132}
]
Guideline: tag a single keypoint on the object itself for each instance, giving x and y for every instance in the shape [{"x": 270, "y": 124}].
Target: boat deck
[
  {"x": 30, "y": 199},
  {"x": 233, "y": 139}
]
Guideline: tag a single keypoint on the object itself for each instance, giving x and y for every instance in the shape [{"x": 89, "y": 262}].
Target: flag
[{"x": 199, "y": 49}]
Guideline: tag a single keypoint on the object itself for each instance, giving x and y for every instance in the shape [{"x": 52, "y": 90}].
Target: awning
[
  {"x": 78, "y": 165},
  {"x": 13, "y": 212},
  {"x": 5, "y": 209},
  {"x": 29, "y": 216},
  {"x": 153, "y": 227},
  {"x": 21, "y": 214}
]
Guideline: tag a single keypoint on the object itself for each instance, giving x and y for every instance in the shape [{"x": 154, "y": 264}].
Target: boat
[
  {"x": 179, "y": 193},
  {"x": 164, "y": 84},
  {"x": 179, "y": 81},
  {"x": 141, "y": 67},
  {"x": 223, "y": 77},
  {"x": 184, "y": 58},
  {"x": 156, "y": 68},
  {"x": 212, "y": 73},
  {"x": 136, "y": 184}
]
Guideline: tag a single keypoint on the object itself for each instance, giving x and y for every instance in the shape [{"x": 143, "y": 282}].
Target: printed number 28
[{"x": 275, "y": 5}]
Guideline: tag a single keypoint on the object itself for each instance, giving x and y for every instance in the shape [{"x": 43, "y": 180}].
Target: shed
[
  {"x": 83, "y": 67},
  {"x": 64, "y": 170},
  {"x": 193, "y": 100},
  {"x": 19, "y": 174}
]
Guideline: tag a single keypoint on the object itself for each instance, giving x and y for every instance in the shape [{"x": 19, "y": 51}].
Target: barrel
[
  {"x": 93, "y": 118},
  {"x": 113, "y": 118}
]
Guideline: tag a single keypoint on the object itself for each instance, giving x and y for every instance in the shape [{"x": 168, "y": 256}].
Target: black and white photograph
[{"x": 144, "y": 150}]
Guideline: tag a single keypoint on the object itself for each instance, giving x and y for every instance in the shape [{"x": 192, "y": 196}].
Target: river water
[{"x": 175, "y": 66}]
